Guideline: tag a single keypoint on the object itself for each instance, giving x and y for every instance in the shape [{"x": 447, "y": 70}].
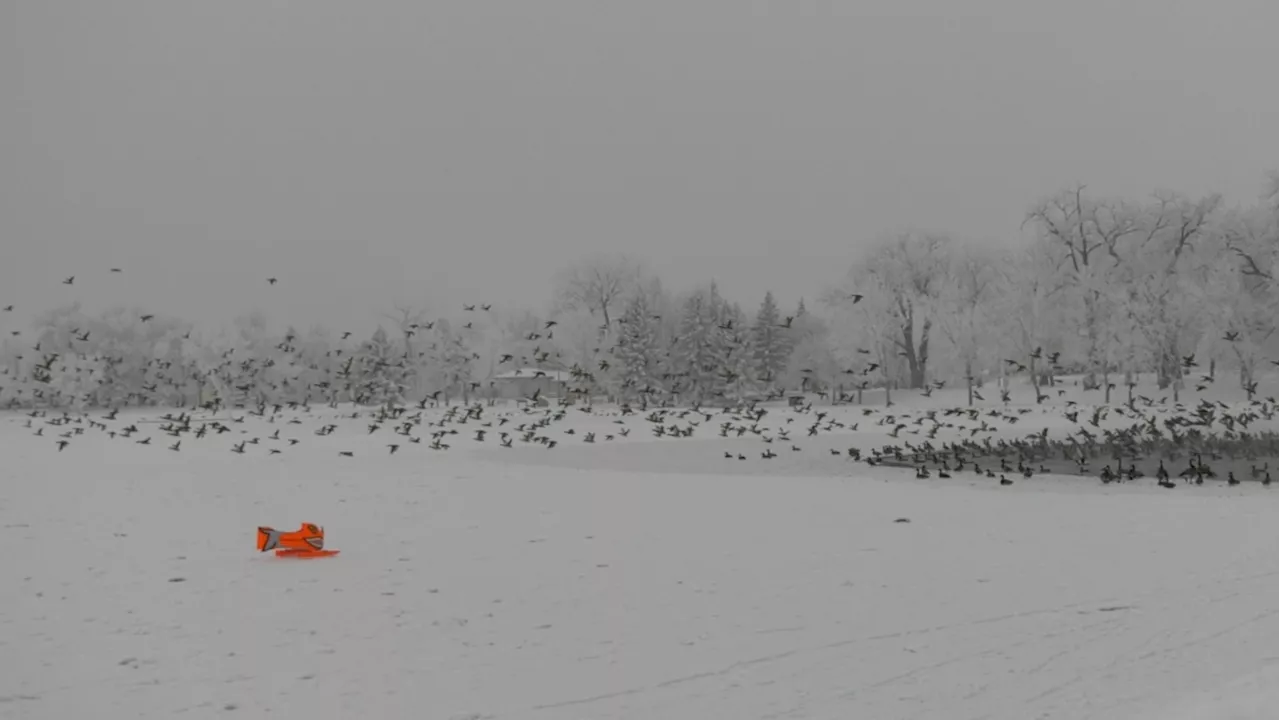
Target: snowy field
[{"x": 639, "y": 578}]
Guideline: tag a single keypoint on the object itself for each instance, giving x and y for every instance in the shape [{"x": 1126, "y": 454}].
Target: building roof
[{"x": 530, "y": 373}]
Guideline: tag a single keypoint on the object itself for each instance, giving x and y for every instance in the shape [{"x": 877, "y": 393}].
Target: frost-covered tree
[
  {"x": 665, "y": 309},
  {"x": 770, "y": 343},
  {"x": 902, "y": 277},
  {"x": 638, "y": 352},
  {"x": 577, "y": 338},
  {"x": 139, "y": 356},
  {"x": 1239, "y": 296},
  {"x": 811, "y": 366},
  {"x": 1030, "y": 311},
  {"x": 1081, "y": 232},
  {"x": 382, "y": 372},
  {"x": 413, "y": 324},
  {"x": 73, "y": 380},
  {"x": 1158, "y": 272},
  {"x": 866, "y": 332},
  {"x": 598, "y": 285},
  {"x": 452, "y": 361},
  {"x": 313, "y": 365},
  {"x": 694, "y": 357},
  {"x": 735, "y": 349},
  {"x": 969, "y": 321},
  {"x": 522, "y": 336}
]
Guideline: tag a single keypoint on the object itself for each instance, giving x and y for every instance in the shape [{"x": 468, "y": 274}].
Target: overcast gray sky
[{"x": 369, "y": 151}]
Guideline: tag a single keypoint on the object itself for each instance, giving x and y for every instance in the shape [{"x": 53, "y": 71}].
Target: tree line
[{"x": 1107, "y": 288}]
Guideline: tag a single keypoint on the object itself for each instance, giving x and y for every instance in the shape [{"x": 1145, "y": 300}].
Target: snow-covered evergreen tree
[
  {"x": 811, "y": 365},
  {"x": 737, "y": 353},
  {"x": 771, "y": 344},
  {"x": 720, "y": 342},
  {"x": 315, "y": 361},
  {"x": 638, "y": 352},
  {"x": 382, "y": 371},
  {"x": 694, "y": 357},
  {"x": 451, "y": 361}
]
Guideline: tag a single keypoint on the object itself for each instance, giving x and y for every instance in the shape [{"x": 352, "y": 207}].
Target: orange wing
[{"x": 308, "y": 537}]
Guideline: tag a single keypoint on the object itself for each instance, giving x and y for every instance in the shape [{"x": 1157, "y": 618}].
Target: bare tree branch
[{"x": 598, "y": 285}]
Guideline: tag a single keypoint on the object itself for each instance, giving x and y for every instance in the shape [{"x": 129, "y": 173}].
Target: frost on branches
[
  {"x": 451, "y": 359},
  {"x": 737, "y": 354},
  {"x": 898, "y": 284},
  {"x": 694, "y": 357},
  {"x": 638, "y": 352},
  {"x": 383, "y": 378},
  {"x": 771, "y": 344}
]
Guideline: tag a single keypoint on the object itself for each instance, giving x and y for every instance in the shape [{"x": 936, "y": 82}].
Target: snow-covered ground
[{"x": 605, "y": 581}]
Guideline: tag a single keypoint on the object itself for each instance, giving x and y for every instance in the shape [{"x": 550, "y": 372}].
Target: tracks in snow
[{"x": 1052, "y": 660}]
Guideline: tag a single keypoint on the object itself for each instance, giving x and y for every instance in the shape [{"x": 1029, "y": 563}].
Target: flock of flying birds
[
  {"x": 1195, "y": 443},
  {"x": 1109, "y": 442}
]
